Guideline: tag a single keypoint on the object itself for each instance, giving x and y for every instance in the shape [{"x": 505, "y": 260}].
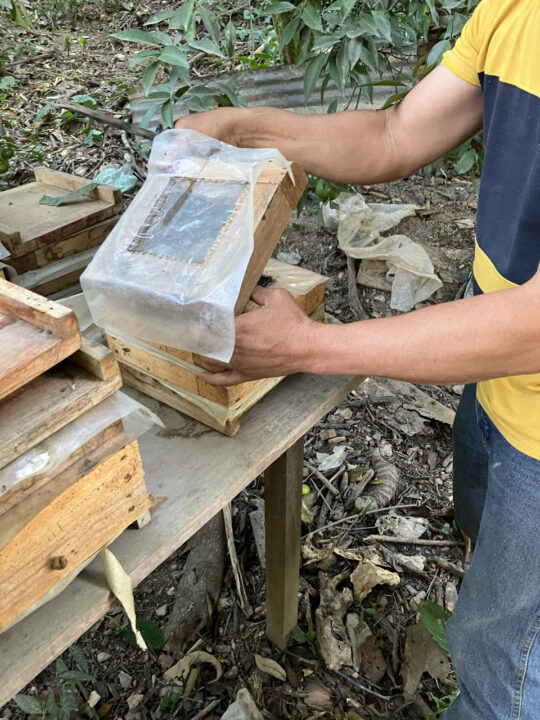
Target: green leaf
[
  {"x": 181, "y": 18},
  {"x": 230, "y": 38},
  {"x": 44, "y": 112},
  {"x": 167, "y": 115},
  {"x": 173, "y": 56},
  {"x": 465, "y": 162},
  {"x": 160, "y": 16},
  {"x": 151, "y": 633},
  {"x": 435, "y": 618},
  {"x": 56, "y": 202},
  {"x": 312, "y": 74},
  {"x": 206, "y": 45},
  {"x": 364, "y": 24},
  {"x": 312, "y": 18},
  {"x": 210, "y": 22},
  {"x": 343, "y": 66},
  {"x": 435, "y": 54},
  {"x": 140, "y": 36},
  {"x": 290, "y": 31},
  {"x": 68, "y": 699},
  {"x": 28, "y": 704},
  {"x": 326, "y": 42},
  {"x": 149, "y": 75},
  {"x": 276, "y": 8},
  {"x": 78, "y": 656},
  {"x": 51, "y": 707},
  {"x": 141, "y": 56},
  {"x": 86, "y": 100},
  {"x": 332, "y": 108},
  {"x": 233, "y": 96},
  {"x": 383, "y": 24},
  {"x": 198, "y": 103}
]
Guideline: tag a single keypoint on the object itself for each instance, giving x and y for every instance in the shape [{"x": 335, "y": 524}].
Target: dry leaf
[
  {"x": 317, "y": 696},
  {"x": 353, "y": 715},
  {"x": 270, "y": 667},
  {"x": 243, "y": 708},
  {"x": 373, "y": 664},
  {"x": 331, "y": 634},
  {"x": 180, "y": 671},
  {"x": 367, "y": 575},
  {"x": 405, "y": 527},
  {"x": 422, "y": 654},
  {"x": 358, "y": 632}
]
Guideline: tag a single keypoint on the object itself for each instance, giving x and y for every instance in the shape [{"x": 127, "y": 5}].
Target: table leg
[{"x": 283, "y": 505}]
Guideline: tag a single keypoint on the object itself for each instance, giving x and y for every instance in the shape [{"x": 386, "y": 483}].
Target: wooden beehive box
[{"x": 173, "y": 376}]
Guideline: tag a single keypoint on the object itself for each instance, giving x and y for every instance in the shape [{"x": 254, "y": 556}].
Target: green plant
[
  {"x": 64, "y": 697},
  {"x": 151, "y": 633},
  {"x": 169, "y": 702},
  {"x": 17, "y": 11},
  {"x": 435, "y": 618},
  {"x": 305, "y": 638},
  {"x": 440, "y": 704}
]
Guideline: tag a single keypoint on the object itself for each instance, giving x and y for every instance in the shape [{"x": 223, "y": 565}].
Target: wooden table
[{"x": 199, "y": 471}]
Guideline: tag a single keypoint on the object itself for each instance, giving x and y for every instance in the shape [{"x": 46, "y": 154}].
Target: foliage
[
  {"x": 151, "y": 633},
  {"x": 440, "y": 704},
  {"x": 63, "y": 697},
  {"x": 169, "y": 702},
  {"x": 435, "y": 618},
  {"x": 17, "y": 11},
  {"x": 305, "y": 638}
]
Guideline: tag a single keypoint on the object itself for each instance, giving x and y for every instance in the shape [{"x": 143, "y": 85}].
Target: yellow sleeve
[{"x": 462, "y": 60}]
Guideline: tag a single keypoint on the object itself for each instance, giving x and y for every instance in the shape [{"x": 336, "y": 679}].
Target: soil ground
[{"x": 131, "y": 684}]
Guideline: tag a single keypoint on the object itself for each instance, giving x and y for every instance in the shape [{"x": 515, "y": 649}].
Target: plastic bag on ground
[
  {"x": 243, "y": 708},
  {"x": 171, "y": 270},
  {"x": 358, "y": 228}
]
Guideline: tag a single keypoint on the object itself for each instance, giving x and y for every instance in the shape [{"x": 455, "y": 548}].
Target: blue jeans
[{"x": 494, "y": 633}]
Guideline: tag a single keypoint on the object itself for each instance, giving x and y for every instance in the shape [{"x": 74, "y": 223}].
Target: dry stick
[
  {"x": 359, "y": 686},
  {"x": 448, "y": 566},
  {"x": 352, "y": 287},
  {"x": 354, "y": 517},
  {"x": 242, "y": 595},
  {"x": 204, "y": 712},
  {"x": 325, "y": 481},
  {"x": 412, "y": 541}
]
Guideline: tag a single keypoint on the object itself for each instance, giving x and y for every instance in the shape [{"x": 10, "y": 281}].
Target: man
[{"x": 491, "y": 78}]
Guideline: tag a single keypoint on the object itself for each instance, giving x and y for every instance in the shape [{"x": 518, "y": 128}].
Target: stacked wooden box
[
  {"x": 172, "y": 375},
  {"x": 54, "y": 516},
  {"x": 51, "y": 246}
]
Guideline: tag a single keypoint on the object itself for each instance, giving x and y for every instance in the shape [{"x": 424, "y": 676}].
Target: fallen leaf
[
  {"x": 401, "y": 526},
  {"x": 270, "y": 667},
  {"x": 317, "y": 696},
  {"x": 358, "y": 632},
  {"x": 367, "y": 575},
  {"x": 243, "y": 708},
  {"x": 422, "y": 654},
  {"x": 180, "y": 671},
  {"x": 331, "y": 633},
  {"x": 373, "y": 664},
  {"x": 134, "y": 700}
]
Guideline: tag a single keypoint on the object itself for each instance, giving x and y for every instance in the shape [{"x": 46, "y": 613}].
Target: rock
[
  {"x": 125, "y": 680},
  {"x": 102, "y": 657}
]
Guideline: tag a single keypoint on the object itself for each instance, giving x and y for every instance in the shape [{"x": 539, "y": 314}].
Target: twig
[
  {"x": 204, "y": 712},
  {"x": 327, "y": 483},
  {"x": 352, "y": 287},
  {"x": 413, "y": 541},
  {"x": 241, "y": 588},
  {"x": 354, "y": 517},
  {"x": 359, "y": 686},
  {"x": 449, "y": 566}
]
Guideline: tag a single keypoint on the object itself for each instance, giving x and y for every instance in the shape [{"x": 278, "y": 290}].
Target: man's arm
[
  {"x": 359, "y": 146},
  {"x": 488, "y": 336}
]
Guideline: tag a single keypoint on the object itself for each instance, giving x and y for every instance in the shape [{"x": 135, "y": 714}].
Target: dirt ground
[{"x": 380, "y": 420}]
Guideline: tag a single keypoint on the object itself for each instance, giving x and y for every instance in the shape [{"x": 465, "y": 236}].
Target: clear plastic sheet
[
  {"x": 358, "y": 228},
  {"x": 57, "y": 448},
  {"x": 296, "y": 280},
  {"x": 171, "y": 270}
]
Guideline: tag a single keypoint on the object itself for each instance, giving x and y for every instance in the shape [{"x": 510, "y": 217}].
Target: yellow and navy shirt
[{"x": 499, "y": 50}]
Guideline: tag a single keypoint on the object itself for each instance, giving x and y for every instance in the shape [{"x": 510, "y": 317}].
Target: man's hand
[
  {"x": 221, "y": 123},
  {"x": 272, "y": 341}
]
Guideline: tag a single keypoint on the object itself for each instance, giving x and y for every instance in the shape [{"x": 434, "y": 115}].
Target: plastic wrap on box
[{"x": 171, "y": 270}]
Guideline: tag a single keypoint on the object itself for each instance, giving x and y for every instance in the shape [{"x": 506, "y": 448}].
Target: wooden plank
[
  {"x": 47, "y": 314},
  {"x": 199, "y": 472},
  {"x": 271, "y": 212},
  {"x": 57, "y": 275},
  {"x": 81, "y": 519},
  {"x": 46, "y": 404},
  {"x": 28, "y": 226},
  {"x": 98, "y": 359},
  {"x": 35, "y": 334},
  {"x": 106, "y": 442},
  {"x": 283, "y": 505},
  {"x": 52, "y": 252}
]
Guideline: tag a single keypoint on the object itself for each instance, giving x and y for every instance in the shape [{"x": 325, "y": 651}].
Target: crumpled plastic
[
  {"x": 359, "y": 226},
  {"x": 119, "y": 177},
  {"x": 243, "y": 708},
  {"x": 171, "y": 270}
]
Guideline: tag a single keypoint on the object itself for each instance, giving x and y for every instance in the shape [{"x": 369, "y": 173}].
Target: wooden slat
[
  {"x": 274, "y": 199},
  {"x": 104, "y": 443},
  {"x": 69, "y": 182},
  {"x": 80, "y": 520},
  {"x": 48, "y": 403},
  {"x": 35, "y": 334},
  {"x": 199, "y": 472},
  {"x": 57, "y": 275},
  {"x": 97, "y": 359},
  {"x": 52, "y": 252},
  {"x": 283, "y": 505}
]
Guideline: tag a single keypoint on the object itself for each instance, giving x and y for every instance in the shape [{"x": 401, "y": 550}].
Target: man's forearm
[{"x": 493, "y": 335}]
